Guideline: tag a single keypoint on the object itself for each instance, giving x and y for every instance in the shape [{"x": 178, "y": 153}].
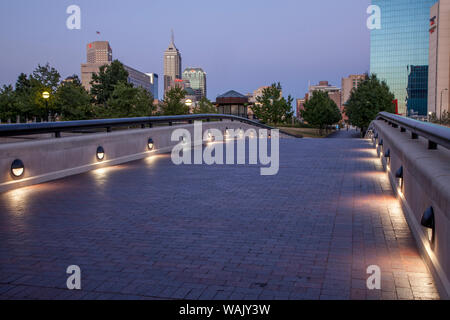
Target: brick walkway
[{"x": 149, "y": 230}]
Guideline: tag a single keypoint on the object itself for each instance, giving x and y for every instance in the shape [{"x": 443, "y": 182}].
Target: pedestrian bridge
[{"x": 140, "y": 227}]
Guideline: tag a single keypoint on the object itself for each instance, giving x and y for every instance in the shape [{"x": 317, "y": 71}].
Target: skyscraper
[
  {"x": 197, "y": 81},
  {"x": 99, "y": 52},
  {"x": 439, "y": 60},
  {"x": 154, "y": 84},
  {"x": 401, "y": 42},
  {"x": 172, "y": 65}
]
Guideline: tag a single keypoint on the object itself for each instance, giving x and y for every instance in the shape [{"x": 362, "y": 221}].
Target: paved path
[
  {"x": 152, "y": 230},
  {"x": 344, "y": 134}
]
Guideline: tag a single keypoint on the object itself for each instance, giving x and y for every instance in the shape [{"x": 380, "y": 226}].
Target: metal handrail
[
  {"x": 435, "y": 134},
  {"x": 65, "y": 126}
]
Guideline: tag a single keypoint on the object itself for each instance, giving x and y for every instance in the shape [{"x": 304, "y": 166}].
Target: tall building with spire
[{"x": 172, "y": 65}]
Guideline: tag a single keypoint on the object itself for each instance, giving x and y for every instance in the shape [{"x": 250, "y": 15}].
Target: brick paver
[{"x": 153, "y": 230}]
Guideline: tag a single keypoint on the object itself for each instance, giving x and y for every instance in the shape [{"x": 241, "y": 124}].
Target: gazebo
[{"x": 233, "y": 103}]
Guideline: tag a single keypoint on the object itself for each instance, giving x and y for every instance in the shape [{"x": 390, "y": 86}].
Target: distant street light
[
  {"x": 46, "y": 96},
  {"x": 440, "y": 108}
]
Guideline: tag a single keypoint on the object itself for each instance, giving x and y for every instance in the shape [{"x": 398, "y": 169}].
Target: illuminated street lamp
[
  {"x": 188, "y": 102},
  {"x": 46, "y": 96}
]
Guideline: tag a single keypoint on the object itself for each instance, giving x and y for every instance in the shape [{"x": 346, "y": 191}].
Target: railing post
[
  {"x": 108, "y": 129},
  {"x": 414, "y": 136},
  {"x": 432, "y": 145},
  {"x": 402, "y": 129},
  {"x": 57, "y": 134}
]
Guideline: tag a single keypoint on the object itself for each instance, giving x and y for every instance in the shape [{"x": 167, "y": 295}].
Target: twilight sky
[{"x": 241, "y": 44}]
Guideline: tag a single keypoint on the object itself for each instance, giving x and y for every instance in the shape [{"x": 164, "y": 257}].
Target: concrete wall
[
  {"x": 50, "y": 159},
  {"x": 426, "y": 175}
]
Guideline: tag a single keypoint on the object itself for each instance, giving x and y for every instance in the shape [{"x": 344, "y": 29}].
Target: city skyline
[{"x": 229, "y": 58}]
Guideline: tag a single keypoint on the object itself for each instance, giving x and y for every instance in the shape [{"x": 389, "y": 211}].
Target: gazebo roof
[{"x": 232, "y": 94}]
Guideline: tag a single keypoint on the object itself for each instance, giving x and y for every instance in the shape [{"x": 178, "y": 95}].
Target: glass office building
[
  {"x": 197, "y": 81},
  {"x": 417, "y": 91},
  {"x": 400, "y": 44}
]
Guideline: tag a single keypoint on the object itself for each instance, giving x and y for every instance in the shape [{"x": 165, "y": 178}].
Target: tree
[
  {"x": 72, "y": 101},
  {"x": 8, "y": 105},
  {"x": 205, "y": 107},
  {"x": 371, "y": 97},
  {"x": 103, "y": 83},
  {"x": 127, "y": 101},
  {"x": 321, "y": 111},
  {"x": 46, "y": 76},
  {"x": 23, "y": 84},
  {"x": 24, "y": 93},
  {"x": 271, "y": 107},
  {"x": 173, "y": 104}
]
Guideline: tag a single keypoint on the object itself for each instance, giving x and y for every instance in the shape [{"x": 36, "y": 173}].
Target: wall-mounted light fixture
[
  {"x": 150, "y": 144},
  {"x": 428, "y": 221},
  {"x": 100, "y": 153},
  {"x": 428, "y": 218},
  {"x": 17, "y": 168},
  {"x": 399, "y": 176},
  {"x": 387, "y": 155}
]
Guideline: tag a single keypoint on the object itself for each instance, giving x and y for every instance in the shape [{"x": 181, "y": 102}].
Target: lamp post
[
  {"x": 440, "y": 107},
  {"x": 46, "y": 96}
]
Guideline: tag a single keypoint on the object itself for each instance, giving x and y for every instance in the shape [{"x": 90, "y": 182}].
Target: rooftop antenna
[{"x": 173, "y": 36}]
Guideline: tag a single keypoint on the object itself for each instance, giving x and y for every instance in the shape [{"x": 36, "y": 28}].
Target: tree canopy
[
  {"x": 371, "y": 97},
  {"x": 72, "y": 101},
  {"x": 321, "y": 111},
  {"x": 271, "y": 107},
  {"x": 111, "y": 96},
  {"x": 103, "y": 83},
  {"x": 205, "y": 107},
  {"x": 173, "y": 102},
  {"x": 127, "y": 102}
]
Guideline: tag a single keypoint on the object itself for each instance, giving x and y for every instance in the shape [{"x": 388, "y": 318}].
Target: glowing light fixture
[
  {"x": 100, "y": 153},
  {"x": 428, "y": 219},
  {"x": 399, "y": 176},
  {"x": 17, "y": 168},
  {"x": 150, "y": 144},
  {"x": 45, "y": 95}
]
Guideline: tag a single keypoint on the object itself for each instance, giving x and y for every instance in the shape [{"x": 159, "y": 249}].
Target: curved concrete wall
[
  {"x": 50, "y": 159},
  {"x": 426, "y": 183}
]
